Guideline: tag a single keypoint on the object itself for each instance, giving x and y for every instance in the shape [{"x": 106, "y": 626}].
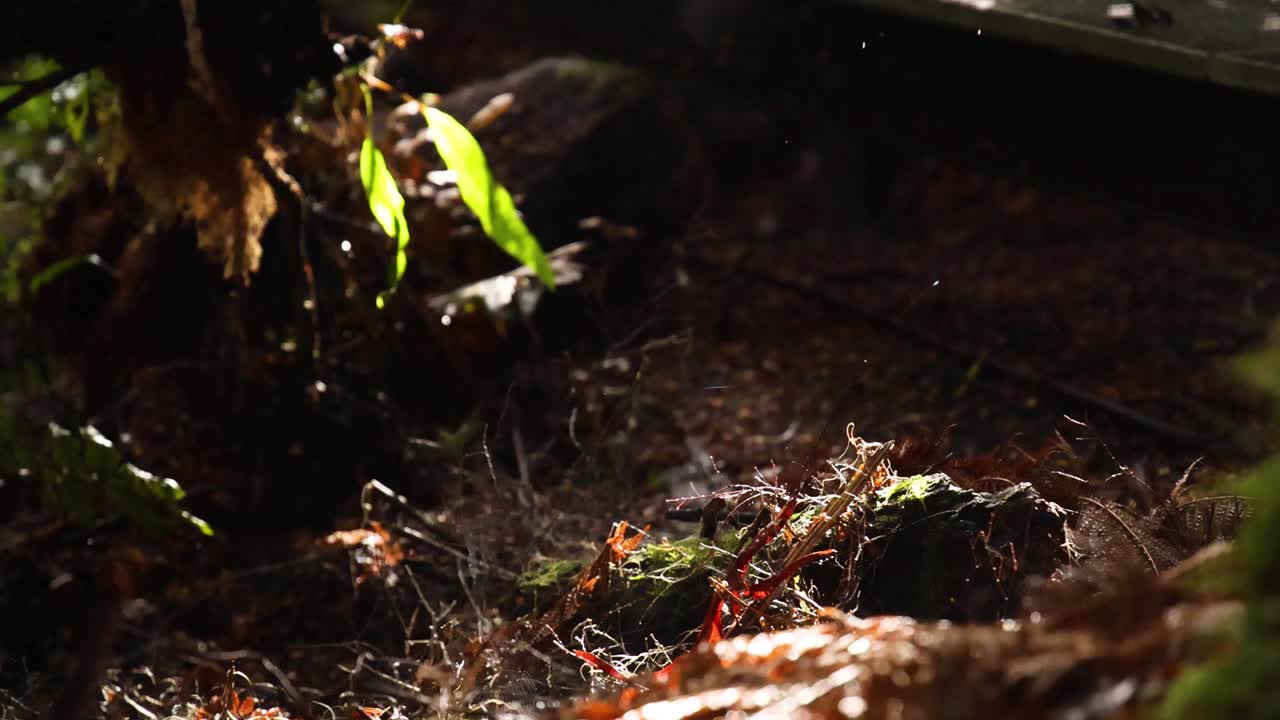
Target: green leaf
[
  {"x": 404, "y": 8},
  {"x": 38, "y": 113},
  {"x": 385, "y": 201},
  {"x": 76, "y": 113},
  {"x": 59, "y": 268},
  {"x": 82, "y": 473},
  {"x": 198, "y": 523},
  {"x": 163, "y": 489},
  {"x": 489, "y": 200},
  {"x": 98, "y": 455}
]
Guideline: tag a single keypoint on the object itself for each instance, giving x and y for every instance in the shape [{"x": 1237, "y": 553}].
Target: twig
[
  {"x": 201, "y": 79},
  {"x": 290, "y": 690},
  {"x": 458, "y": 554},
  {"x": 696, "y": 515},
  {"x": 376, "y": 486},
  {"x": 484, "y": 624},
  {"x": 312, "y": 304},
  {"x": 436, "y": 617},
  {"x": 128, "y": 698},
  {"x": 367, "y": 507},
  {"x": 525, "y": 496},
  {"x": 392, "y": 686},
  {"x": 863, "y": 471},
  {"x": 31, "y": 88},
  {"x": 488, "y": 457},
  {"x": 573, "y": 430},
  {"x": 14, "y": 701}
]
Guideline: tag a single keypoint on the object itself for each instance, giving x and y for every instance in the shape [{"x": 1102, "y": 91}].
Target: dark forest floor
[{"x": 996, "y": 324}]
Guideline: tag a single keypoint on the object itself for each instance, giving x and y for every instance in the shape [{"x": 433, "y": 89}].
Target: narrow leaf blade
[
  {"x": 490, "y": 201},
  {"x": 387, "y": 205}
]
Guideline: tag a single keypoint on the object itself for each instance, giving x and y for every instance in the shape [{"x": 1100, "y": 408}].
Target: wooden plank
[{"x": 1227, "y": 42}]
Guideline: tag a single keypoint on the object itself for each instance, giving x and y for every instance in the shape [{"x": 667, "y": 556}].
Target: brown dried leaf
[
  {"x": 894, "y": 667},
  {"x": 376, "y": 551},
  {"x": 193, "y": 161}
]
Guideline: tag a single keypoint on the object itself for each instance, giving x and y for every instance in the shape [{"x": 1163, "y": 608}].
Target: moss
[
  {"x": 661, "y": 590},
  {"x": 547, "y": 579},
  {"x": 937, "y": 550},
  {"x": 603, "y": 77},
  {"x": 800, "y": 522},
  {"x": 909, "y": 497},
  {"x": 916, "y": 487},
  {"x": 548, "y": 573},
  {"x": 1241, "y": 686},
  {"x": 673, "y": 562}
]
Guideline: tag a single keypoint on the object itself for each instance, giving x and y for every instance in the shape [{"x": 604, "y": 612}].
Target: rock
[
  {"x": 581, "y": 140},
  {"x": 933, "y": 550},
  {"x": 665, "y": 590},
  {"x": 658, "y": 593},
  {"x": 937, "y": 550}
]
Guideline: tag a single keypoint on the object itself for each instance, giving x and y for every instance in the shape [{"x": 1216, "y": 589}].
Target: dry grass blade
[
  {"x": 862, "y": 474},
  {"x": 870, "y": 456}
]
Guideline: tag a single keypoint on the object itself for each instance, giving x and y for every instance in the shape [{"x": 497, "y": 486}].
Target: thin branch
[
  {"x": 31, "y": 88},
  {"x": 290, "y": 690},
  {"x": 458, "y": 554},
  {"x": 387, "y": 684},
  {"x": 869, "y": 460}
]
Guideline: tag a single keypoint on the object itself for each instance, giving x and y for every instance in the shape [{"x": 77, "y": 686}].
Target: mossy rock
[
  {"x": 546, "y": 579},
  {"x": 581, "y": 139},
  {"x": 661, "y": 590},
  {"x": 937, "y": 550}
]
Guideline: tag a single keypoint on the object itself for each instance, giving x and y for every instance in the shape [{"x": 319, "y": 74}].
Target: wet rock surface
[{"x": 936, "y": 550}]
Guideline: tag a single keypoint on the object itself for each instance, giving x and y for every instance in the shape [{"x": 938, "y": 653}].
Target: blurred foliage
[
  {"x": 60, "y": 268},
  {"x": 80, "y": 472},
  {"x": 42, "y": 142},
  {"x": 366, "y": 13},
  {"x": 1241, "y": 685},
  {"x": 1261, "y": 368}
]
